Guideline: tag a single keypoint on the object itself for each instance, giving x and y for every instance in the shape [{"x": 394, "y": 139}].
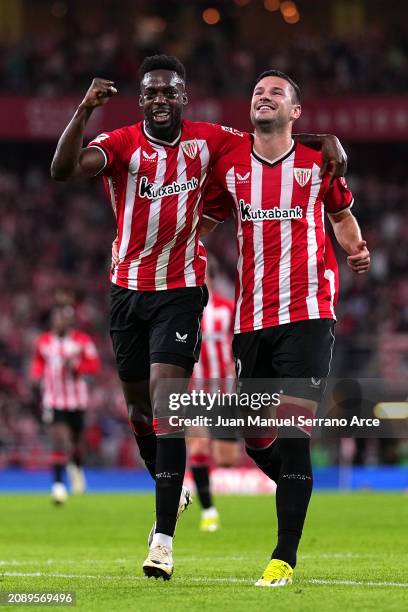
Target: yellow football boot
[
  {"x": 210, "y": 523},
  {"x": 276, "y": 574}
]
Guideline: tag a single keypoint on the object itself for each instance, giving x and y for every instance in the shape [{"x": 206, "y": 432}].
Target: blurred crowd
[
  {"x": 218, "y": 60},
  {"x": 54, "y": 236}
]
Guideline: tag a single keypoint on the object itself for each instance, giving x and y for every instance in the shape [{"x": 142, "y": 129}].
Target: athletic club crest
[
  {"x": 190, "y": 148},
  {"x": 302, "y": 175}
]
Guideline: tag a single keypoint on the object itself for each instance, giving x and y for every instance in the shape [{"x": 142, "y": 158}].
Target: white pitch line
[
  {"x": 183, "y": 558},
  {"x": 49, "y": 562},
  {"x": 315, "y": 581},
  {"x": 358, "y": 583}
]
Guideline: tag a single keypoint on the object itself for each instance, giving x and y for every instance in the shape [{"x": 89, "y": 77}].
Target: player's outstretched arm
[
  {"x": 70, "y": 159},
  {"x": 332, "y": 152},
  {"x": 348, "y": 235}
]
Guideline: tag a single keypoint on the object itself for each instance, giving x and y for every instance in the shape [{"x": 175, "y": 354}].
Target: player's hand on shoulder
[
  {"x": 334, "y": 156},
  {"x": 359, "y": 262},
  {"x": 99, "y": 93}
]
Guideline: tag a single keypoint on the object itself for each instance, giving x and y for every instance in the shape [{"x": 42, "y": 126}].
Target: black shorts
[
  {"x": 155, "y": 327},
  {"x": 300, "y": 351},
  {"x": 74, "y": 419}
]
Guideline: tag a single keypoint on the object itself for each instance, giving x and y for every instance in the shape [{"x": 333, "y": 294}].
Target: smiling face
[
  {"x": 162, "y": 98},
  {"x": 273, "y": 105}
]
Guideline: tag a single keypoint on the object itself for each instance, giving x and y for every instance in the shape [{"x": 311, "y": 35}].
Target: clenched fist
[
  {"x": 359, "y": 262},
  {"x": 99, "y": 93}
]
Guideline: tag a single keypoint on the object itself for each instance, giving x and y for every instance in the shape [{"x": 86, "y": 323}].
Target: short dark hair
[
  {"x": 162, "y": 62},
  {"x": 277, "y": 73}
]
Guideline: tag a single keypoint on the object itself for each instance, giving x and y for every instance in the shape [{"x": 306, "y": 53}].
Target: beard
[
  {"x": 166, "y": 131},
  {"x": 269, "y": 125}
]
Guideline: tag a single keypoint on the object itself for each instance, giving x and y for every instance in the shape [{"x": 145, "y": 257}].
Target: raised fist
[{"x": 99, "y": 93}]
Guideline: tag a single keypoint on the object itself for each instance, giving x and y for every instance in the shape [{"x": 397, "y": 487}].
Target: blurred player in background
[
  {"x": 63, "y": 359},
  {"x": 216, "y": 364},
  {"x": 286, "y": 288},
  {"x": 154, "y": 172}
]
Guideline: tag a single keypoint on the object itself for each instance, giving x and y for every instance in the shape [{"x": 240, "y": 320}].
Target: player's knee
[
  {"x": 199, "y": 452},
  {"x": 60, "y": 435},
  {"x": 226, "y": 462},
  {"x": 62, "y": 445},
  {"x": 260, "y": 443},
  {"x": 226, "y": 454},
  {"x": 140, "y": 421},
  {"x": 198, "y": 447}
]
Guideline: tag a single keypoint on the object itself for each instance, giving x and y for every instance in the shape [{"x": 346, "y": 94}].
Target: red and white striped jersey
[
  {"x": 216, "y": 360},
  {"x": 286, "y": 270},
  {"x": 61, "y": 363},
  {"x": 155, "y": 189}
]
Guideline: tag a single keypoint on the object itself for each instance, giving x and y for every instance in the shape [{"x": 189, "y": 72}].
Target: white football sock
[{"x": 210, "y": 513}]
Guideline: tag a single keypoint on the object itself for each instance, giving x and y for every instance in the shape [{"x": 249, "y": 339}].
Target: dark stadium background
[{"x": 354, "y": 80}]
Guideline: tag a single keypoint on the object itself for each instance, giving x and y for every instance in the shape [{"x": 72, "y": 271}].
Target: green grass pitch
[{"x": 353, "y": 556}]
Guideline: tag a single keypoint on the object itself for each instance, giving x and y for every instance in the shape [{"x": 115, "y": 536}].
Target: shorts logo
[
  {"x": 316, "y": 382},
  {"x": 269, "y": 214},
  {"x": 190, "y": 148},
  {"x": 180, "y": 338},
  {"x": 148, "y": 190},
  {"x": 243, "y": 178},
  {"x": 150, "y": 157},
  {"x": 302, "y": 175}
]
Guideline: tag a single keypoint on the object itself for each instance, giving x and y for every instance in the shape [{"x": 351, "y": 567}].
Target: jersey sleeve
[
  {"x": 338, "y": 197},
  {"x": 222, "y": 139},
  {"x": 89, "y": 363},
  {"x": 37, "y": 364},
  {"x": 217, "y": 202},
  {"x": 112, "y": 145}
]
